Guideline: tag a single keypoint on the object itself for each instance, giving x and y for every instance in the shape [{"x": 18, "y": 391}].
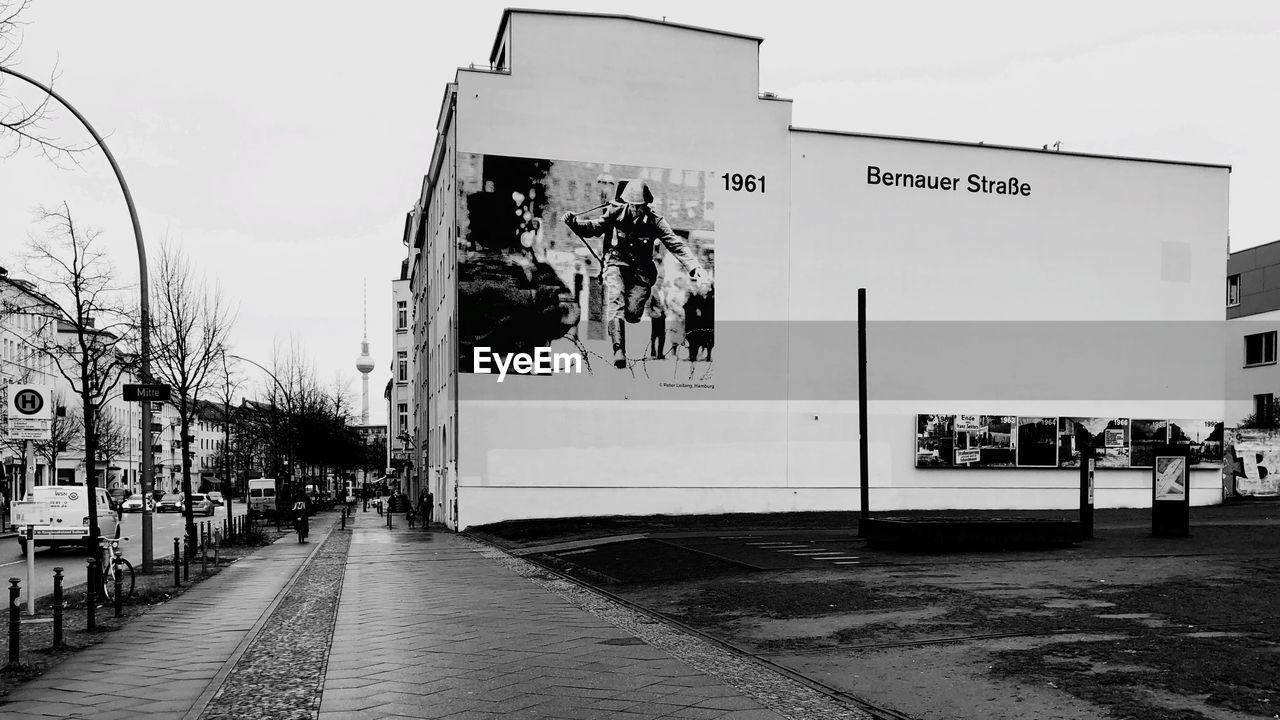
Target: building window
[
  {"x": 1260, "y": 349},
  {"x": 402, "y": 360},
  {"x": 1233, "y": 290},
  {"x": 402, "y": 418},
  {"x": 1262, "y": 405},
  {"x": 402, "y": 314}
]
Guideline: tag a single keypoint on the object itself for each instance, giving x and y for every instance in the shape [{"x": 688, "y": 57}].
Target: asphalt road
[{"x": 165, "y": 527}]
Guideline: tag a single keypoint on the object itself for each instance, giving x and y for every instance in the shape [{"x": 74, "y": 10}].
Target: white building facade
[{"x": 1022, "y": 301}]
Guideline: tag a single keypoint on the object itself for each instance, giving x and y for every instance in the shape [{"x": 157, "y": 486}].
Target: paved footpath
[
  {"x": 403, "y": 623},
  {"x": 435, "y": 625},
  {"x": 169, "y": 661}
]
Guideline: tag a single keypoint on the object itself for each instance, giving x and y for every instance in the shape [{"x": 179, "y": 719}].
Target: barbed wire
[{"x": 641, "y": 364}]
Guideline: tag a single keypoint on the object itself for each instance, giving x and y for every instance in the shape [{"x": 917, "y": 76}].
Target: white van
[
  {"x": 262, "y": 496},
  {"x": 69, "y": 513}
]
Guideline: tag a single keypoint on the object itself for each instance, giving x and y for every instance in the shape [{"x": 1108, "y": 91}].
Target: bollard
[
  {"x": 388, "y": 519},
  {"x": 91, "y": 597},
  {"x": 177, "y": 582},
  {"x": 344, "y": 518},
  {"x": 186, "y": 557},
  {"x": 14, "y": 622},
  {"x": 57, "y": 607},
  {"x": 204, "y": 555},
  {"x": 119, "y": 596}
]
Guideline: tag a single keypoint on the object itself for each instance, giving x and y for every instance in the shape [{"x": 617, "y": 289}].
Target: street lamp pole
[
  {"x": 288, "y": 401},
  {"x": 144, "y": 319}
]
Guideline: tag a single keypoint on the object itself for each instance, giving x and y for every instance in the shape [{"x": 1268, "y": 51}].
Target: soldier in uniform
[{"x": 630, "y": 271}]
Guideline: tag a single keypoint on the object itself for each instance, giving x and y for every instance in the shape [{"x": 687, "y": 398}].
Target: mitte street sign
[{"x": 146, "y": 393}]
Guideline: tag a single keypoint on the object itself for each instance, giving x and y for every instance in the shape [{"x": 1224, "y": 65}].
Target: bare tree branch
[
  {"x": 190, "y": 327},
  {"x": 26, "y": 124},
  {"x": 78, "y": 278}
]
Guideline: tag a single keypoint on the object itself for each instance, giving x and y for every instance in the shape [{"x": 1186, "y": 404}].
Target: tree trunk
[
  {"x": 90, "y": 462},
  {"x": 185, "y": 425}
]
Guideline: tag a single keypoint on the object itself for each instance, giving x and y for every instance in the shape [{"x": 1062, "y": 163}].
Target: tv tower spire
[{"x": 364, "y": 363}]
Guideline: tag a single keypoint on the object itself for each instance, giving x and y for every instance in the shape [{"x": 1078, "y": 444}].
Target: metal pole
[
  {"x": 15, "y": 623},
  {"x": 119, "y": 588},
  {"x": 57, "y": 607},
  {"x": 91, "y": 596},
  {"x": 31, "y": 570},
  {"x": 29, "y": 477},
  {"x": 145, "y": 311},
  {"x": 177, "y": 580},
  {"x": 865, "y": 497}
]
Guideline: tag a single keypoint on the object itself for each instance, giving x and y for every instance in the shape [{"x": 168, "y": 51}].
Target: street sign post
[
  {"x": 26, "y": 515},
  {"x": 154, "y": 392}
]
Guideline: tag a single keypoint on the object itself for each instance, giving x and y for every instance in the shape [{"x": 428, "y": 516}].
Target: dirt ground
[{"x": 1122, "y": 626}]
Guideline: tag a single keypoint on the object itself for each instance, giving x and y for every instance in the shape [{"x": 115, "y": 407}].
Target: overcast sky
[{"x": 281, "y": 143}]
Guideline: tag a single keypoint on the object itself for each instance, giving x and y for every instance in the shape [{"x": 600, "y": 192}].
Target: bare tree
[
  {"x": 113, "y": 439},
  {"x": 64, "y": 433},
  {"x": 228, "y": 385},
  {"x": 190, "y": 326},
  {"x": 25, "y": 124},
  {"x": 91, "y": 347}
]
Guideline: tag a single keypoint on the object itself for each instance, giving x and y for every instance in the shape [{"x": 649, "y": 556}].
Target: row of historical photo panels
[{"x": 1009, "y": 441}]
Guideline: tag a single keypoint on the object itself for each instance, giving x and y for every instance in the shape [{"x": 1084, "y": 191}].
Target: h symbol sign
[{"x": 28, "y": 401}]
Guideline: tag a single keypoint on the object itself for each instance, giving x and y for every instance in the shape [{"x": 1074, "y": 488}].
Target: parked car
[
  {"x": 171, "y": 502},
  {"x": 201, "y": 504},
  {"x": 134, "y": 504},
  {"x": 69, "y": 516},
  {"x": 117, "y": 496},
  {"x": 216, "y": 498}
]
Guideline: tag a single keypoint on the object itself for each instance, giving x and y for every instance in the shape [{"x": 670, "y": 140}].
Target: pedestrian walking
[{"x": 424, "y": 506}]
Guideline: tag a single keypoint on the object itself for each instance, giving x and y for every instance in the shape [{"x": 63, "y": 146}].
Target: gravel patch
[
  {"x": 281, "y": 674},
  {"x": 771, "y": 689}
]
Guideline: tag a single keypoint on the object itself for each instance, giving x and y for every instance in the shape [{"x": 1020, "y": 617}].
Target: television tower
[{"x": 364, "y": 363}]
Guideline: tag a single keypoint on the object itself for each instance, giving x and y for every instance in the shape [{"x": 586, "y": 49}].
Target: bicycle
[{"x": 113, "y": 564}]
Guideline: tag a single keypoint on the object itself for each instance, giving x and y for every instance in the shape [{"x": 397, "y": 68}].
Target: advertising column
[{"x": 1170, "y": 491}]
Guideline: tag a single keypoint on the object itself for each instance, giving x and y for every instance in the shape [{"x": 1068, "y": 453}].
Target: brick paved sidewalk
[
  {"x": 434, "y": 625},
  {"x": 169, "y": 661}
]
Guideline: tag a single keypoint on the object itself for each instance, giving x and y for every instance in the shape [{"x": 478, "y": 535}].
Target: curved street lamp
[
  {"x": 144, "y": 321},
  {"x": 288, "y": 401}
]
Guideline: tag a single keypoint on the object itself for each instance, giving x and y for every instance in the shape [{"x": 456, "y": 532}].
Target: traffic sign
[
  {"x": 30, "y": 411},
  {"x": 155, "y": 392}
]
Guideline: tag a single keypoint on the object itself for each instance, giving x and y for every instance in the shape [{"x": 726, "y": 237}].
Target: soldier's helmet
[{"x": 634, "y": 192}]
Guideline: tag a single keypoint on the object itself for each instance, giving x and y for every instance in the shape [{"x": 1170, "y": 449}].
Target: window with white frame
[
  {"x": 1233, "y": 290},
  {"x": 1260, "y": 348},
  {"x": 402, "y": 361},
  {"x": 402, "y": 315}
]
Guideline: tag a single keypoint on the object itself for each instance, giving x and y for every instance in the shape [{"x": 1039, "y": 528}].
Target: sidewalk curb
[{"x": 215, "y": 684}]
